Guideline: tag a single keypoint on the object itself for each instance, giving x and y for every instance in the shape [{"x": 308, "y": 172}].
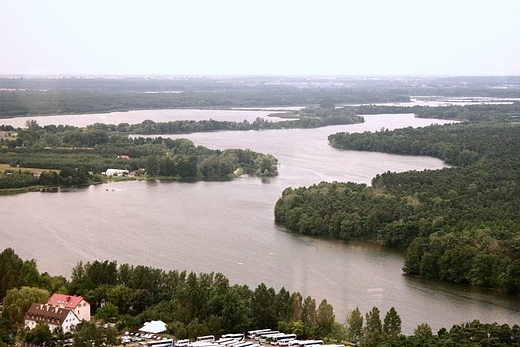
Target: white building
[
  {"x": 112, "y": 172},
  {"x": 53, "y": 316},
  {"x": 62, "y": 310}
]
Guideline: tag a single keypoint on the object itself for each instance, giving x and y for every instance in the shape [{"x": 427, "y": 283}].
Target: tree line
[
  {"x": 78, "y": 99},
  {"x": 473, "y": 113},
  {"x": 200, "y": 304},
  {"x": 304, "y": 121},
  {"x": 459, "y": 224},
  {"x": 37, "y": 96}
]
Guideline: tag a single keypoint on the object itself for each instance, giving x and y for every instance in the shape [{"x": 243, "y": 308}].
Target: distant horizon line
[{"x": 92, "y": 75}]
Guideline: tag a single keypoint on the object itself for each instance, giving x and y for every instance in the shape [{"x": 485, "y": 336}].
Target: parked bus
[
  {"x": 238, "y": 336},
  {"x": 301, "y": 343},
  {"x": 267, "y": 338},
  {"x": 251, "y": 334},
  {"x": 224, "y": 340},
  {"x": 274, "y": 339},
  {"x": 207, "y": 338},
  {"x": 260, "y": 336},
  {"x": 201, "y": 344},
  {"x": 241, "y": 344},
  {"x": 156, "y": 343}
]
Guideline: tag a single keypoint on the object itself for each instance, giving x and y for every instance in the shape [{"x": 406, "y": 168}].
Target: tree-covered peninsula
[
  {"x": 68, "y": 155},
  {"x": 459, "y": 224}
]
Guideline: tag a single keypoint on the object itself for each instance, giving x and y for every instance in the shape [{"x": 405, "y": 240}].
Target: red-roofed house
[
  {"x": 77, "y": 304},
  {"x": 54, "y": 316}
]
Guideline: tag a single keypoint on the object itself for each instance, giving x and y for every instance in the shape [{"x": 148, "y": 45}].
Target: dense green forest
[
  {"x": 26, "y": 95},
  {"x": 459, "y": 224},
  {"x": 33, "y": 96},
  {"x": 80, "y": 156},
  {"x": 473, "y": 113},
  {"x": 200, "y": 304}
]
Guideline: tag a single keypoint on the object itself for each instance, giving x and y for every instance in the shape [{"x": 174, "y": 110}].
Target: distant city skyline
[{"x": 285, "y": 37}]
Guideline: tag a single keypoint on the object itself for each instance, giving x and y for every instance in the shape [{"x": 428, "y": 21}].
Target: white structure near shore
[{"x": 117, "y": 172}]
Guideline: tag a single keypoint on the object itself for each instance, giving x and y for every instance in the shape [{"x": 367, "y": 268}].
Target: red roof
[{"x": 65, "y": 300}]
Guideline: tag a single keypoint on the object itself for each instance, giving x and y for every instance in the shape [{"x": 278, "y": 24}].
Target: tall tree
[
  {"x": 309, "y": 316},
  {"x": 235, "y": 314},
  {"x": 392, "y": 324},
  {"x": 355, "y": 325},
  {"x": 295, "y": 302},
  {"x": 10, "y": 265},
  {"x": 262, "y": 306},
  {"x": 373, "y": 330},
  {"x": 325, "y": 318}
]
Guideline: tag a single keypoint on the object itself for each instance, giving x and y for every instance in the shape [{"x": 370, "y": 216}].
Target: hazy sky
[{"x": 347, "y": 37}]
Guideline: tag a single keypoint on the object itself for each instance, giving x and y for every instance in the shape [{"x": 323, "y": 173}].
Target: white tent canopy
[{"x": 153, "y": 327}]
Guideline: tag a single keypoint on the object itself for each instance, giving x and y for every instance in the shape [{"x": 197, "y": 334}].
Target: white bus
[
  {"x": 224, "y": 340},
  {"x": 238, "y": 336},
  {"x": 274, "y": 339},
  {"x": 267, "y": 338},
  {"x": 201, "y": 344},
  {"x": 261, "y": 335},
  {"x": 301, "y": 343},
  {"x": 241, "y": 344},
  {"x": 207, "y": 338},
  {"x": 251, "y": 334},
  {"x": 156, "y": 343}
]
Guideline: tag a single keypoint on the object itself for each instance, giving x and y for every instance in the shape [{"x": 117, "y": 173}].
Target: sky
[{"x": 260, "y": 37}]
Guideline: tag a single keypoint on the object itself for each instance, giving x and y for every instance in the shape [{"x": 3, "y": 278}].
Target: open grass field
[{"x": 4, "y": 167}]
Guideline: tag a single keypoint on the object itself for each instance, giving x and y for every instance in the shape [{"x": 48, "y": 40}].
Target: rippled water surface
[{"x": 229, "y": 227}]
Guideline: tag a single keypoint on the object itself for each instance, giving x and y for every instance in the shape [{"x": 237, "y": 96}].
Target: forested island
[
  {"x": 459, "y": 224},
  {"x": 123, "y": 297}
]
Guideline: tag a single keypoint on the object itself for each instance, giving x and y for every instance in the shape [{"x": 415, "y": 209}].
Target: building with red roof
[
  {"x": 77, "y": 304},
  {"x": 61, "y": 310}
]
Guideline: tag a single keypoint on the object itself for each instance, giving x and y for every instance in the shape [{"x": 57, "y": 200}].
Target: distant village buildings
[{"x": 61, "y": 310}]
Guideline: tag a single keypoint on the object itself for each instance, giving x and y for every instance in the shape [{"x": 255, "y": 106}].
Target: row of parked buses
[
  {"x": 227, "y": 340},
  {"x": 277, "y": 338},
  {"x": 262, "y": 336}
]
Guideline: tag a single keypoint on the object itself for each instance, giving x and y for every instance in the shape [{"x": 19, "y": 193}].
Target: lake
[{"x": 229, "y": 226}]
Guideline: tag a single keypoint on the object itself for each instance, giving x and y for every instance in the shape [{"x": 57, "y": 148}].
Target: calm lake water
[{"x": 229, "y": 227}]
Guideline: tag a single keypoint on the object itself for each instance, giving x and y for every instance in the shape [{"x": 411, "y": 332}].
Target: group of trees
[
  {"x": 306, "y": 121},
  {"x": 191, "y": 304},
  {"x": 472, "y": 113},
  {"x": 459, "y": 224},
  {"x": 74, "y": 156},
  {"x": 195, "y": 305}
]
